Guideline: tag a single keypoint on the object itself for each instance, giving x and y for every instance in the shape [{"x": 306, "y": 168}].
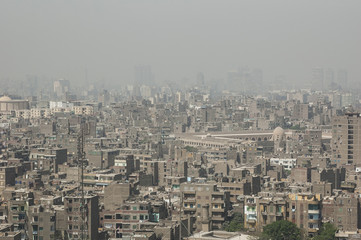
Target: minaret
[{"x": 206, "y": 226}]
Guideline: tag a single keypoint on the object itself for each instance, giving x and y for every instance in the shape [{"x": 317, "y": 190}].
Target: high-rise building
[
  {"x": 61, "y": 86},
  {"x": 73, "y": 208},
  {"x": 342, "y": 78},
  {"x": 317, "y": 78},
  {"x": 200, "y": 79},
  {"x": 143, "y": 75},
  {"x": 329, "y": 78},
  {"x": 346, "y": 139}
]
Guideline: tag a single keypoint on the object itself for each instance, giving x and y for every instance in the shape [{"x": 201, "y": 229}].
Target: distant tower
[
  {"x": 200, "y": 79},
  {"x": 32, "y": 85},
  {"x": 317, "y": 78},
  {"x": 143, "y": 75},
  {"x": 61, "y": 87},
  {"x": 329, "y": 78},
  {"x": 257, "y": 76},
  {"x": 342, "y": 78}
]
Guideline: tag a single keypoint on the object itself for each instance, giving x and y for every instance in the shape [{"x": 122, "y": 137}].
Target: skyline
[{"x": 177, "y": 39}]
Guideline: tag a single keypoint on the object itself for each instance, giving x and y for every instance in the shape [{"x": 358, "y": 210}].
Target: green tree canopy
[
  {"x": 326, "y": 232},
  {"x": 281, "y": 230},
  {"x": 236, "y": 224},
  {"x": 190, "y": 149}
]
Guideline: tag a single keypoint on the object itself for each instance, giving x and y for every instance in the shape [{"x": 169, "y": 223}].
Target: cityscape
[{"x": 209, "y": 151}]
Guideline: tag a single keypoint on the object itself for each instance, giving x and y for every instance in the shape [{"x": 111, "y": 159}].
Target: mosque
[{"x": 7, "y": 104}]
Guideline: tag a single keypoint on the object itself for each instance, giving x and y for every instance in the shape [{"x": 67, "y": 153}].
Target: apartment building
[
  {"x": 73, "y": 208},
  {"x": 196, "y": 195},
  {"x": 122, "y": 222},
  {"x": 41, "y": 224},
  {"x": 342, "y": 211},
  {"x": 305, "y": 211},
  {"x": 346, "y": 139}
]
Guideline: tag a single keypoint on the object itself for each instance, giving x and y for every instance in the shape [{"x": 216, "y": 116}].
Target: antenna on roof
[{"x": 81, "y": 159}]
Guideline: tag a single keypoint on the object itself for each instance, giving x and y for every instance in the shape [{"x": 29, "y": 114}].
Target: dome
[
  {"x": 5, "y": 99},
  {"x": 278, "y": 133}
]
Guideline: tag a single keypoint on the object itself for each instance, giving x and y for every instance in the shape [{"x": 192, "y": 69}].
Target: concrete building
[
  {"x": 346, "y": 139},
  {"x": 41, "y": 224},
  {"x": 83, "y": 110},
  {"x": 7, "y": 104},
  {"x": 122, "y": 222},
  {"x": 251, "y": 213},
  {"x": 196, "y": 195},
  {"x": 342, "y": 211},
  {"x": 101, "y": 159},
  {"x": 7, "y": 176},
  {"x": 270, "y": 209},
  {"x": 305, "y": 211},
  {"x": 115, "y": 194},
  {"x": 73, "y": 208}
]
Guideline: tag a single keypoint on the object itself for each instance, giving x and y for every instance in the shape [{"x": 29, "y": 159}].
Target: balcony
[
  {"x": 314, "y": 211},
  {"x": 250, "y": 204},
  {"x": 250, "y": 212},
  {"x": 217, "y": 200},
  {"x": 217, "y": 209},
  {"x": 279, "y": 214},
  {"x": 217, "y": 218},
  {"x": 313, "y": 230},
  {"x": 252, "y": 220},
  {"x": 313, "y": 220},
  {"x": 189, "y": 209}
]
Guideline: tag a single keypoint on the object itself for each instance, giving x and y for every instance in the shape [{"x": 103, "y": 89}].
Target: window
[
  {"x": 135, "y": 217},
  {"x": 135, "y": 208}
]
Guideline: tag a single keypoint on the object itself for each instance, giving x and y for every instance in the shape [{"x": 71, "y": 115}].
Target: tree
[
  {"x": 326, "y": 232},
  {"x": 281, "y": 230},
  {"x": 190, "y": 149},
  {"x": 236, "y": 224}
]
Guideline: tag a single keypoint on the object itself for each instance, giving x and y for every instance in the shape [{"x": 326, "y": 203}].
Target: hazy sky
[{"x": 60, "y": 38}]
